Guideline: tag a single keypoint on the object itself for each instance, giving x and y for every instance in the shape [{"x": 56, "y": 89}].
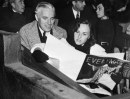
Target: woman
[
  {"x": 84, "y": 39},
  {"x": 106, "y": 29}
]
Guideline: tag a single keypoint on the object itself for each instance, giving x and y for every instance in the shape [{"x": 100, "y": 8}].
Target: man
[
  {"x": 36, "y": 31},
  {"x": 14, "y": 16},
  {"x": 77, "y": 11}
]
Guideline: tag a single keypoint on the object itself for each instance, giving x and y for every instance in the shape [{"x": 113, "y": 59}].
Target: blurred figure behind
[
  {"x": 106, "y": 29},
  {"x": 76, "y": 11},
  {"x": 14, "y": 16}
]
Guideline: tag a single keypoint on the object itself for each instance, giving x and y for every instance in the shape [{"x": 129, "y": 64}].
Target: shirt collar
[
  {"x": 75, "y": 12},
  {"x": 43, "y": 31},
  {"x": 16, "y": 11}
]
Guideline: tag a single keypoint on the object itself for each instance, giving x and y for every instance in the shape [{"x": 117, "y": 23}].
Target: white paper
[
  {"x": 97, "y": 50},
  {"x": 107, "y": 81},
  {"x": 115, "y": 55},
  {"x": 96, "y": 90},
  {"x": 71, "y": 60},
  {"x": 100, "y": 51}
]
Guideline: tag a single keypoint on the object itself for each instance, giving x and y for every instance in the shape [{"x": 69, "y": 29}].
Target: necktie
[
  {"x": 43, "y": 39},
  {"x": 77, "y": 16}
]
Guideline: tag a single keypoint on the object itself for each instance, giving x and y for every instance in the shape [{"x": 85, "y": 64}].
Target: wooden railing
[{"x": 45, "y": 78}]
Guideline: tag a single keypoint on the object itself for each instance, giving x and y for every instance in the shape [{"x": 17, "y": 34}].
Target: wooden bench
[{"x": 43, "y": 80}]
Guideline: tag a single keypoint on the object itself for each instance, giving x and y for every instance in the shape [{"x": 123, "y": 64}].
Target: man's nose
[
  {"x": 23, "y": 4},
  {"x": 84, "y": 3},
  {"x": 97, "y": 11},
  {"x": 49, "y": 21}
]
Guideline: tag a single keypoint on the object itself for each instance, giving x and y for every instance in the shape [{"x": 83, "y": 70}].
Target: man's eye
[
  {"x": 45, "y": 18},
  {"x": 52, "y": 19}
]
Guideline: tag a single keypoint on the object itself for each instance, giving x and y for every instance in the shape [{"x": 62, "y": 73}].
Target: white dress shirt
[{"x": 75, "y": 13}]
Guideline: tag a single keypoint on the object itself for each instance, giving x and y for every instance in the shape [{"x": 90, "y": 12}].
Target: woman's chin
[{"x": 78, "y": 43}]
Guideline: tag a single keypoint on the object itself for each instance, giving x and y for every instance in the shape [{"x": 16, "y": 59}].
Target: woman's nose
[{"x": 79, "y": 36}]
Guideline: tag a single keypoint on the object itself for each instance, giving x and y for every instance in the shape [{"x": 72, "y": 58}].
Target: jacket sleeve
[{"x": 24, "y": 38}]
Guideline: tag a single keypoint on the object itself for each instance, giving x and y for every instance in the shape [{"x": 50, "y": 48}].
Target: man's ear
[
  {"x": 36, "y": 17},
  {"x": 13, "y": 5},
  {"x": 73, "y": 2}
]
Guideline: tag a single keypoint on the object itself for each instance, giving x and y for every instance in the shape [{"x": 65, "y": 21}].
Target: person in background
[
  {"x": 35, "y": 33},
  {"x": 122, "y": 16},
  {"x": 75, "y": 11},
  {"x": 83, "y": 39},
  {"x": 14, "y": 16},
  {"x": 106, "y": 29}
]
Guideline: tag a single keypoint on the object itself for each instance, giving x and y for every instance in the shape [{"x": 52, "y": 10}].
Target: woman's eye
[
  {"x": 85, "y": 33},
  {"x": 77, "y": 32}
]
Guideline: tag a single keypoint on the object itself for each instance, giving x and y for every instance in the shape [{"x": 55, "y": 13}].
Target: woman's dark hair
[
  {"x": 107, "y": 6},
  {"x": 77, "y": 25},
  {"x": 90, "y": 42}
]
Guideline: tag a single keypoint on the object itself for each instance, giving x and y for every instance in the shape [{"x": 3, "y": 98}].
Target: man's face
[
  {"x": 18, "y": 6},
  {"x": 45, "y": 18},
  {"x": 79, "y": 5},
  {"x": 128, "y": 30},
  {"x": 82, "y": 34}
]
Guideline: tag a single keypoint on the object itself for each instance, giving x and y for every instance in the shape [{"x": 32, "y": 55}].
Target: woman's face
[
  {"x": 82, "y": 34},
  {"x": 100, "y": 11}
]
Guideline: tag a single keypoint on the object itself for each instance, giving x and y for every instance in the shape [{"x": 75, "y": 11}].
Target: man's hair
[
  {"x": 76, "y": 0},
  {"x": 44, "y": 5},
  {"x": 11, "y": 1}
]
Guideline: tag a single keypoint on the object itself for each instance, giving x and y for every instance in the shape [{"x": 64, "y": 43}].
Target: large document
[
  {"x": 70, "y": 59},
  {"x": 100, "y": 69}
]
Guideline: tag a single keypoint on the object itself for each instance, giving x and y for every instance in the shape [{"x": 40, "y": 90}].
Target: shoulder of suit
[
  {"x": 59, "y": 29},
  {"x": 29, "y": 26}
]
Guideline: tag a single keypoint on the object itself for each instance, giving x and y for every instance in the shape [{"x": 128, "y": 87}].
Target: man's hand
[{"x": 40, "y": 56}]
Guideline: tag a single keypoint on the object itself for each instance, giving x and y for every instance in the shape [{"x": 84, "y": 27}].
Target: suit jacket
[
  {"x": 11, "y": 21},
  {"x": 67, "y": 19},
  {"x": 30, "y": 36}
]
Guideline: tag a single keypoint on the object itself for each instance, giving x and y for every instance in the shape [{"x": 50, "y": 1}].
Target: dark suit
[
  {"x": 67, "y": 19},
  {"x": 11, "y": 21}
]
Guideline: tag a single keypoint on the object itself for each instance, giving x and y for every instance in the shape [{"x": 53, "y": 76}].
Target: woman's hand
[{"x": 84, "y": 80}]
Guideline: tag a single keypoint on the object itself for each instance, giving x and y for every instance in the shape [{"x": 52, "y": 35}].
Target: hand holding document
[{"x": 70, "y": 59}]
